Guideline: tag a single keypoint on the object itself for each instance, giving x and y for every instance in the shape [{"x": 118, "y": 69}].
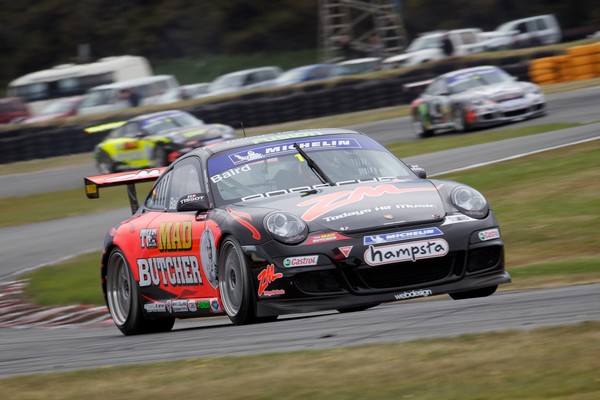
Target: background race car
[
  {"x": 154, "y": 140},
  {"x": 292, "y": 222},
  {"x": 475, "y": 97}
]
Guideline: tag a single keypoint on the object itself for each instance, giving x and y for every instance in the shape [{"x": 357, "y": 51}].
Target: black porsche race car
[
  {"x": 473, "y": 98},
  {"x": 292, "y": 222}
]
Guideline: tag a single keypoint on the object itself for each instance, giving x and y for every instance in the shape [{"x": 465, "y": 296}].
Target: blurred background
[{"x": 199, "y": 40}]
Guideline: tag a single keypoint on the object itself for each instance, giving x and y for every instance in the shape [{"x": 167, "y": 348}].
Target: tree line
[{"x": 37, "y": 34}]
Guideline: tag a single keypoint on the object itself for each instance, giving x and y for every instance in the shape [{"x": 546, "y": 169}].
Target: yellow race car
[{"x": 155, "y": 140}]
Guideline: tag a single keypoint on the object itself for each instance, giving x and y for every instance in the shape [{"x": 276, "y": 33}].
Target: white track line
[{"x": 516, "y": 156}]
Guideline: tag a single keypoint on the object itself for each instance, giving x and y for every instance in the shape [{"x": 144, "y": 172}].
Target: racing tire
[
  {"x": 123, "y": 298},
  {"x": 159, "y": 157},
  {"x": 235, "y": 285},
  {"x": 357, "y": 308},
  {"x": 105, "y": 164},
  {"x": 419, "y": 127},
  {"x": 471, "y": 294}
]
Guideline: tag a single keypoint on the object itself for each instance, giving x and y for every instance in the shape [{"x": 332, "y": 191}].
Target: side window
[
  {"x": 438, "y": 87},
  {"x": 186, "y": 180},
  {"x": 158, "y": 197},
  {"x": 541, "y": 24},
  {"x": 252, "y": 78},
  {"x": 131, "y": 130},
  {"x": 468, "y": 37}
]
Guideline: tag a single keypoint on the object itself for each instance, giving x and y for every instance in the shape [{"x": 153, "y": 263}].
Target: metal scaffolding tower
[{"x": 373, "y": 27}]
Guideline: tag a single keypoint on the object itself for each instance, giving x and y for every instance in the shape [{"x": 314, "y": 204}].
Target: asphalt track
[
  {"x": 574, "y": 106},
  {"x": 24, "y": 351},
  {"x": 27, "y": 351}
]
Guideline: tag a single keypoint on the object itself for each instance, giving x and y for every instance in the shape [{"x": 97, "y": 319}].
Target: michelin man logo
[{"x": 208, "y": 256}]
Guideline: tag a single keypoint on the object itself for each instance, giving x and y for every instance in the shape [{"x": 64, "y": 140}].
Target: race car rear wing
[
  {"x": 93, "y": 184},
  {"x": 103, "y": 127}
]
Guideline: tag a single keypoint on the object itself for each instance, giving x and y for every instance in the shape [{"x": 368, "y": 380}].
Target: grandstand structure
[{"x": 371, "y": 27}]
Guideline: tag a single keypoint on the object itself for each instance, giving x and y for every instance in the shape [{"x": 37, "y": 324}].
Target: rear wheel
[
  {"x": 104, "y": 163},
  {"x": 159, "y": 159},
  {"x": 421, "y": 128},
  {"x": 235, "y": 283},
  {"x": 483, "y": 292},
  {"x": 124, "y": 303}
]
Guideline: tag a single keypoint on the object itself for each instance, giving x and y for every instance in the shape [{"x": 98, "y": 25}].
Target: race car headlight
[
  {"x": 534, "y": 89},
  {"x": 470, "y": 202},
  {"x": 286, "y": 228}
]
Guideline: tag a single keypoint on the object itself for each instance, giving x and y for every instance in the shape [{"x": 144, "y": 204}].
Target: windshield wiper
[{"x": 314, "y": 167}]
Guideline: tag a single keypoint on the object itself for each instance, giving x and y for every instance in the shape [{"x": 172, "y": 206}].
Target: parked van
[
  {"x": 40, "y": 88},
  {"x": 524, "y": 32},
  {"x": 428, "y": 47},
  {"x": 158, "y": 89}
]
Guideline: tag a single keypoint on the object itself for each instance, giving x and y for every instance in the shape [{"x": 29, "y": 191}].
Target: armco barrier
[{"x": 259, "y": 108}]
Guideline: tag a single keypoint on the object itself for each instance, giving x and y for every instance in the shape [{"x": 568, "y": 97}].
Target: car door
[
  {"x": 132, "y": 146},
  {"x": 439, "y": 102},
  {"x": 179, "y": 247}
]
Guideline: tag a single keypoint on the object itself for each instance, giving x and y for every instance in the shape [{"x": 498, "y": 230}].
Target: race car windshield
[
  {"x": 467, "y": 81},
  {"x": 276, "y": 169},
  {"x": 167, "y": 122}
]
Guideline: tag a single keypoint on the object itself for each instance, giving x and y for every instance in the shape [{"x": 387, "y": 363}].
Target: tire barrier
[
  {"x": 279, "y": 105},
  {"x": 579, "y": 62}
]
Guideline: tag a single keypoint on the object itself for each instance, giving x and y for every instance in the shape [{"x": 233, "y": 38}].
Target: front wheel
[
  {"x": 459, "y": 120},
  {"x": 123, "y": 297},
  {"x": 235, "y": 283},
  {"x": 471, "y": 294}
]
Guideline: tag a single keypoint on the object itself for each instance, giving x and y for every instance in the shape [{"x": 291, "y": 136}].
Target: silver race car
[{"x": 473, "y": 98}]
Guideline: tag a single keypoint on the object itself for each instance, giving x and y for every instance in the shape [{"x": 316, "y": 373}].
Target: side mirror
[
  {"x": 193, "y": 202},
  {"x": 419, "y": 171}
]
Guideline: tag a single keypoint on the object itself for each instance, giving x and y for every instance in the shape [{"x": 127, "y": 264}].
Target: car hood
[
  {"x": 499, "y": 92},
  {"x": 359, "y": 207}
]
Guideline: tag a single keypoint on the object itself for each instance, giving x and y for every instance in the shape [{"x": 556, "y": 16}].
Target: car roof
[
  {"x": 472, "y": 69},
  {"x": 273, "y": 137},
  {"x": 359, "y": 60},
  {"x": 251, "y": 70},
  {"x": 157, "y": 114},
  {"x": 133, "y": 82}
]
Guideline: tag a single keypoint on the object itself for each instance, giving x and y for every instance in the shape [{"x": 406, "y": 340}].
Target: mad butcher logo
[
  {"x": 173, "y": 271},
  {"x": 327, "y": 203},
  {"x": 412, "y": 251},
  {"x": 175, "y": 236}
]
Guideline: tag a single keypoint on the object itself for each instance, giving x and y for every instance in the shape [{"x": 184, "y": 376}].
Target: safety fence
[
  {"x": 259, "y": 108},
  {"x": 579, "y": 62}
]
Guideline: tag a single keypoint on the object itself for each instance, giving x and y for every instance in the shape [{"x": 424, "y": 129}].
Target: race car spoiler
[
  {"x": 103, "y": 127},
  {"x": 92, "y": 184}
]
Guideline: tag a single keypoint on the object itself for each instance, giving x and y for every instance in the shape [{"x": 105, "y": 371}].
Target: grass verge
[
  {"x": 550, "y": 363},
  {"x": 551, "y": 235}
]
